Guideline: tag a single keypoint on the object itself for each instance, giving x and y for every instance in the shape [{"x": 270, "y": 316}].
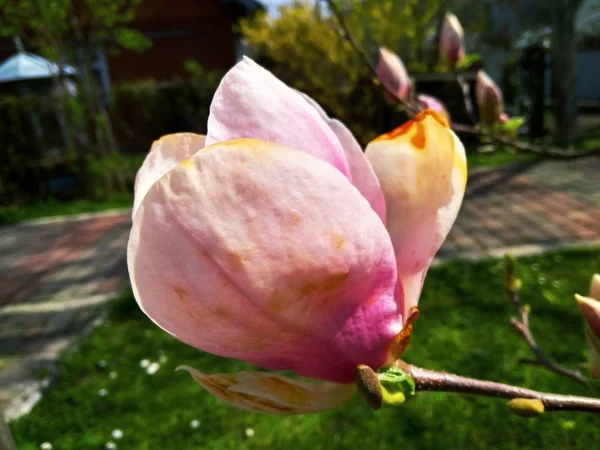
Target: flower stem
[{"x": 430, "y": 380}]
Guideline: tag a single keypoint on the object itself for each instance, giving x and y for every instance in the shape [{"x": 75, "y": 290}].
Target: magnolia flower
[
  {"x": 489, "y": 100},
  {"x": 590, "y": 307},
  {"x": 266, "y": 240},
  {"x": 392, "y": 73},
  {"x": 429, "y": 102},
  {"x": 452, "y": 43}
]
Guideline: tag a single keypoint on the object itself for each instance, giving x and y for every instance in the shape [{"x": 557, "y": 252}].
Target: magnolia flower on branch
[{"x": 275, "y": 240}]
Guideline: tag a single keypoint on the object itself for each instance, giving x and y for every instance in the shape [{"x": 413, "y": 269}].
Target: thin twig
[
  {"x": 524, "y": 147},
  {"x": 523, "y": 329},
  {"x": 413, "y": 108},
  {"x": 430, "y": 380}
]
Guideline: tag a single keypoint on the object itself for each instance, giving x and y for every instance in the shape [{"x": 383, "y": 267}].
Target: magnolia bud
[
  {"x": 392, "y": 73},
  {"x": 452, "y": 43},
  {"x": 590, "y": 307},
  {"x": 489, "y": 100}
]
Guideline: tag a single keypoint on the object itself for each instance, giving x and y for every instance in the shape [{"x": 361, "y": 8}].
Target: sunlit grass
[{"x": 12, "y": 214}]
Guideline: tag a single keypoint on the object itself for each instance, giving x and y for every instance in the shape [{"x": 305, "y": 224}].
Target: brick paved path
[
  {"x": 56, "y": 276},
  {"x": 527, "y": 206}
]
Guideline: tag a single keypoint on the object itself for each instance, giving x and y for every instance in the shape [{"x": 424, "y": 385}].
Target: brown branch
[
  {"x": 522, "y": 328},
  {"x": 524, "y": 147},
  {"x": 429, "y": 380},
  {"x": 413, "y": 108}
]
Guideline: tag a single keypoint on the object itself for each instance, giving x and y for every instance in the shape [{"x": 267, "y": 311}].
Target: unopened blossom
[
  {"x": 429, "y": 102},
  {"x": 590, "y": 307},
  {"x": 392, "y": 73},
  {"x": 266, "y": 240},
  {"x": 452, "y": 39},
  {"x": 489, "y": 100}
]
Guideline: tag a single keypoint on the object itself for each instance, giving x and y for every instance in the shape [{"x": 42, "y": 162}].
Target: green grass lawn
[
  {"x": 13, "y": 214},
  {"x": 463, "y": 328},
  {"x": 496, "y": 158}
]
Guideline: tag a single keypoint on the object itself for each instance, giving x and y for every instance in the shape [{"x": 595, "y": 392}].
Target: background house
[{"x": 180, "y": 30}]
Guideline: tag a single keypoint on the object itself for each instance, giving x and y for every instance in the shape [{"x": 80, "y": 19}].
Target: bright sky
[{"x": 272, "y": 5}]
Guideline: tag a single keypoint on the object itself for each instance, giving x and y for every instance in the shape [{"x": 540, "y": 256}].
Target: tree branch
[
  {"x": 524, "y": 147},
  {"x": 522, "y": 328},
  {"x": 413, "y": 108},
  {"x": 430, "y": 380}
]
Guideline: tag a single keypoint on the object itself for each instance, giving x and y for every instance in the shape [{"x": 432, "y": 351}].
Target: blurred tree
[
  {"x": 564, "y": 68},
  {"x": 74, "y": 32}
]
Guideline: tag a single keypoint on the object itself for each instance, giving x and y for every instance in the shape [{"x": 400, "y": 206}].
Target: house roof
[
  {"x": 251, "y": 6},
  {"x": 27, "y": 66}
]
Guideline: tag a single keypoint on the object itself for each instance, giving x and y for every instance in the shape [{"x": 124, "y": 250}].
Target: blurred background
[{"x": 86, "y": 86}]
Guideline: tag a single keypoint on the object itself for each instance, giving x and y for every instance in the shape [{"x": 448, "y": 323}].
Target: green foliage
[
  {"x": 132, "y": 39},
  {"x": 463, "y": 328},
  {"x": 396, "y": 385},
  {"x": 468, "y": 61},
  {"x": 512, "y": 124},
  {"x": 144, "y": 110},
  {"x": 44, "y": 23}
]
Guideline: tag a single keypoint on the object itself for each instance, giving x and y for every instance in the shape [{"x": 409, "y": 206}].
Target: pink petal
[
  {"x": 363, "y": 176},
  {"x": 595, "y": 287},
  {"x": 164, "y": 155},
  {"x": 429, "y": 102},
  {"x": 255, "y": 251},
  {"x": 392, "y": 73},
  {"x": 422, "y": 170},
  {"x": 251, "y": 102},
  {"x": 590, "y": 308}
]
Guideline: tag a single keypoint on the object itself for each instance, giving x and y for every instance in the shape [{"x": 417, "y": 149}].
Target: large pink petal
[
  {"x": 256, "y": 251},
  {"x": 164, "y": 155},
  {"x": 251, "y": 102},
  {"x": 363, "y": 176},
  {"x": 422, "y": 170}
]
